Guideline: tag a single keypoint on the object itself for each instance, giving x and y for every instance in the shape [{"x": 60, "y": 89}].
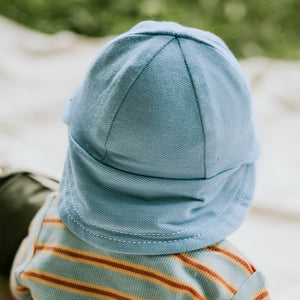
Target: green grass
[{"x": 250, "y": 28}]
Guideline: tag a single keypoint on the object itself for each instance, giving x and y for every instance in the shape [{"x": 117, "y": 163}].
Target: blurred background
[
  {"x": 46, "y": 47},
  {"x": 250, "y": 28}
]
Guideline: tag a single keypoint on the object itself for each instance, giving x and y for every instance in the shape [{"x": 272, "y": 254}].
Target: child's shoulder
[
  {"x": 228, "y": 268},
  {"x": 225, "y": 256}
]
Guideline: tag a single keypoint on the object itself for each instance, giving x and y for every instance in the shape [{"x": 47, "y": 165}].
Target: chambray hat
[{"x": 161, "y": 143}]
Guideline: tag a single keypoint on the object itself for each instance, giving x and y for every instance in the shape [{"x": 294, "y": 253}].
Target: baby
[{"x": 159, "y": 171}]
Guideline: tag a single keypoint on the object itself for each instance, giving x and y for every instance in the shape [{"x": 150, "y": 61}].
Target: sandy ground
[{"x": 38, "y": 72}]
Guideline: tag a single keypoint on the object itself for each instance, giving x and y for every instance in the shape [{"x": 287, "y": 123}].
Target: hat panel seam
[
  {"x": 126, "y": 94},
  {"x": 198, "y": 103},
  {"x": 219, "y": 48},
  {"x": 181, "y": 36},
  {"x": 92, "y": 158}
]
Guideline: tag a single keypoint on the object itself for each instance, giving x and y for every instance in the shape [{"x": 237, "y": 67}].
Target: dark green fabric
[{"x": 21, "y": 196}]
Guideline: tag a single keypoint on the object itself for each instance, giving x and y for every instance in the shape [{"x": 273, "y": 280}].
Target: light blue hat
[{"x": 161, "y": 143}]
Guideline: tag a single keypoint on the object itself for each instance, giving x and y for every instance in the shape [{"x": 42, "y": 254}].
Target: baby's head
[{"x": 162, "y": 144}]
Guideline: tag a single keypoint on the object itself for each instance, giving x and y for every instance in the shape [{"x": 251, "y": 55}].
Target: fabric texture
[
  {"x": 53, "y": 263},
  {"x": 161, "y": 143}
]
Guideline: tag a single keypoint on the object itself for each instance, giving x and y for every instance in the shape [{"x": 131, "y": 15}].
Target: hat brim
[{"x": 135, "y": 214}]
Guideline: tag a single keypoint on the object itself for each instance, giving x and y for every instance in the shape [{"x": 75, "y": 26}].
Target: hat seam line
[
  {"x": 168, "y": 241},
  {"x": 179, "y": 35},
  {"x": 125, "y": 96},
  {"x": 153, "y": 234},
  {"x": 198, "y": 104},
  {"x": 91, "y": 158},
  {"x": 223, "y": 53}
]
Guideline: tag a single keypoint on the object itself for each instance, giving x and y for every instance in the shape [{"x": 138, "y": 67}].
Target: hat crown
[{"x": 168, "y": 103}]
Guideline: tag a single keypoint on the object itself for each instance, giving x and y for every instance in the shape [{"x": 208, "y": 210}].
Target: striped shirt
[{"x": 53, "y": 263}]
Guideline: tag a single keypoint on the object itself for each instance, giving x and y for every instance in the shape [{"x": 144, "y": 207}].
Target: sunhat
[{"x": 162, "y": 146}]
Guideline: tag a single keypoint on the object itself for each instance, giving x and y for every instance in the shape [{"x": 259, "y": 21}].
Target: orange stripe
[
  {"x": 261, "y": 294},
  {"x": 21, "y": 289},
  {"x": 53, "y": 221},
  {"x": 246, "y": 266},
  {"x": 37, "y": 222},
  {"x": 242, "y": 256},
  {"x": 120, "y": 266},
  {"x": 14, "y": 286},
  {"x": 207, "y": 271},
  {"x": 76, "y": 286}
]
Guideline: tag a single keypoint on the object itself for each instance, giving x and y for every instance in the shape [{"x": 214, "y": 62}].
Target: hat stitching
[
  {"x": 165, "y": 241},
  {"x": 122, "y": 101},
  {"x": 197, "y": 100},
  {"x": 220, "y": 214}
]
